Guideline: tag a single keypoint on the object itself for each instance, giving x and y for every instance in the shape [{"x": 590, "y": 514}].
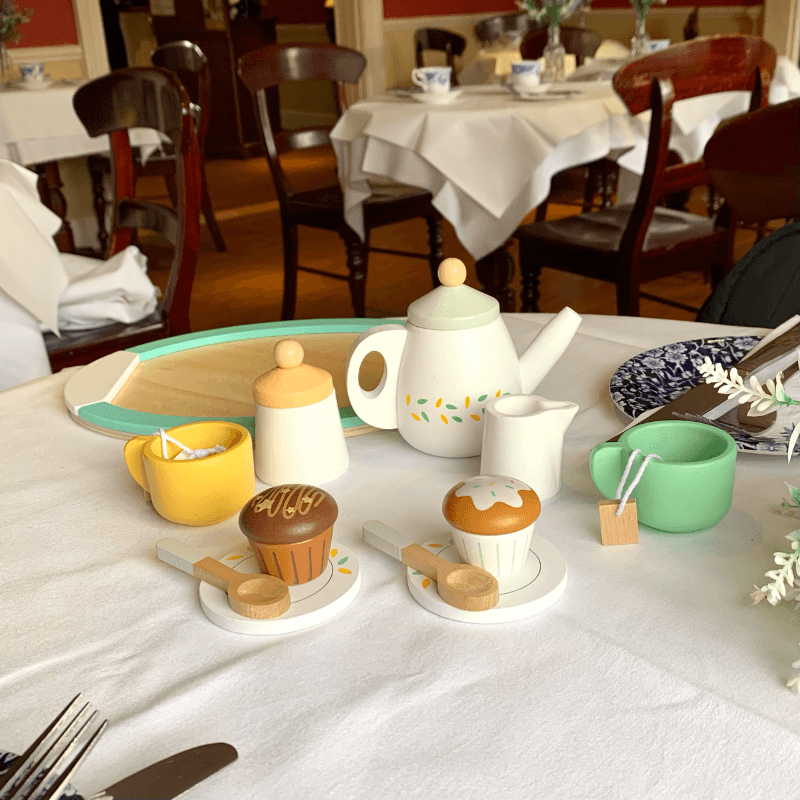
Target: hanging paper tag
[{"x": 622, "y": 529}]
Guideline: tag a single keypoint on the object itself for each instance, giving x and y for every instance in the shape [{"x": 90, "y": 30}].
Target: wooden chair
[
  {"x": 447, "y": 42},
  {"x": 495, "y": 28},
  {"x": 141, "y": 97},
  {"x": 190, "y": 64},
  {"x": 580, "y": 42},
  {"x": 628, "y": 244},
  {"x": 753, "y": 162},
  {"x": 324, "y": 208}
]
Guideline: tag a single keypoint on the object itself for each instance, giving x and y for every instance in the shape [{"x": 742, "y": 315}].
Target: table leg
[
  {"x": 495, "y": 273},
  {"x": 51, "y": 195}
]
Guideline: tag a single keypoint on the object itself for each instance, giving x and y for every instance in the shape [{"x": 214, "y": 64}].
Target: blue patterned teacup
[
  {"x": 435, "y": 80},
  {"x": 655, "y": 45},
  {"x": 526, "y": 74},
  {"x": 32, "y": 71}
]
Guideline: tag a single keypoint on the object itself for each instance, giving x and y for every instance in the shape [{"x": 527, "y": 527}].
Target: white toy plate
[
  {"x": 536, "y": 587},
  {"x": 312, "y": 602}
]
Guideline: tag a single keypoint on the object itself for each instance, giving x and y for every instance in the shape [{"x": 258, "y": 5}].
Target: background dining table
[
  {"x": 653, "y": 675},
  {"x": 489, "y": 156}
]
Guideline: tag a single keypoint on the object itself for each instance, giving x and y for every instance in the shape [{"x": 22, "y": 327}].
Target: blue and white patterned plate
[
  {"x": 5, "y": 762},
  {"x": 654, "y": 378}
]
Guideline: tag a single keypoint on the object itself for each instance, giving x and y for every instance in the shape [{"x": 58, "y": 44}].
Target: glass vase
[
  {"x": 640, "y": 38},
  {"x": 554, "y": 53}
]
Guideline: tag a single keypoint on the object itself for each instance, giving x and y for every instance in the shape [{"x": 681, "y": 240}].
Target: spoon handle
[{"x": 194, "y": 562}]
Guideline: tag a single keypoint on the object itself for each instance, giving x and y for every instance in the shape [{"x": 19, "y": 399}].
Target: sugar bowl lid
[
  {"x": 291, "y": 384},
  {"x": 453, "y": 306}
]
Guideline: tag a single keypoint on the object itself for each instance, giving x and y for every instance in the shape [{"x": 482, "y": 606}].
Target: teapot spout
[{"x": 547, "y": 348}]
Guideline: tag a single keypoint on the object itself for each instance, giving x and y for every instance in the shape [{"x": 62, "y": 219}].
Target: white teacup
[
  {"x": 32, "y": 71},
  {"x": 526, "y": 74},
  {"x": 435, "y": 80}
]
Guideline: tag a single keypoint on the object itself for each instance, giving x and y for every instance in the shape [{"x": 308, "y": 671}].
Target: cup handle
[
  {"x": 379, "y": 406},
  {"x": 133, "y": 458},
  {"x": 417, "y": 80},
  {"x": 604, "y": 464}
]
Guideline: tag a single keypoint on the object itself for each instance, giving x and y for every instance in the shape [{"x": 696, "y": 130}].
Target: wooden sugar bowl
[
  {"x": 299, "y": 436},
  {"x": 290, "y": 529}
]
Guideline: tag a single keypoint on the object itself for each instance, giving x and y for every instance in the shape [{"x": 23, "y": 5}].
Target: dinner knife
[
  {"x": 172, "y": 776},
  {"x": 704, "y": 397}
]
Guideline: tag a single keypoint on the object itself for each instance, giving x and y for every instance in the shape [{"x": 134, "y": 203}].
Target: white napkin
[
  {"x": 31, "y": 271},
  {"x": 102, "y": 292}
]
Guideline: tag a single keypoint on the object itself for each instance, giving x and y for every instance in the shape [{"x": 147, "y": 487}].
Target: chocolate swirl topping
[{"x": 290, "y": 513}]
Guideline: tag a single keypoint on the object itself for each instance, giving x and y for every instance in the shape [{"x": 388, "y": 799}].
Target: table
[
  {"x": 488, "y": 159},
  {"x": 652, "y": 677},
  {"x": 40, "y": 127}
]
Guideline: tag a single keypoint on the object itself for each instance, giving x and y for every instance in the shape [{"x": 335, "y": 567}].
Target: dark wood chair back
[
  {"x": 142, "y": 97},
  {"x": 690, "y": 69},
  {"x": 191, "y": 65},
  {"x": 753, "y": 162},
  {"x": 578, "y": 41},
  {"x": 275, "y": 64},
  {"x": 447, "y": 42},
  {"x": 491, "y": 29}
]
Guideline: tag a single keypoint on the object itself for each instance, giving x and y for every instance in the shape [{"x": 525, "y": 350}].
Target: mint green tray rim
[{"x": 126, "y": 420}]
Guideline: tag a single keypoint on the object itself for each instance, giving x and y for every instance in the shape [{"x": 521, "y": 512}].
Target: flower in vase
[
  {"x": 11, "y": 19},
  {"x": 641, "y": 7},
  {"x": 550, "y": 11}
]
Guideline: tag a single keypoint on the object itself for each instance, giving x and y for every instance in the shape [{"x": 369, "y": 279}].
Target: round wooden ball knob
[
  {"x": 288, "y": 354},
  {"x": 452, "y": 272}
]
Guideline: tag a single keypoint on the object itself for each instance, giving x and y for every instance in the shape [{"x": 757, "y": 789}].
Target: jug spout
[{"x": 547, "y": 348}]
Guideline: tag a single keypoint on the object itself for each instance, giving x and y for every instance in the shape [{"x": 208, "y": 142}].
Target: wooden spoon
[
  {"x": 254, "y": 596},
  {"x": 459, "y": 585}
]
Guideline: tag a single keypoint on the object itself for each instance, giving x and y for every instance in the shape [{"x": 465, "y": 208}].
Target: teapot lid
[
  {"x": 453, "y": 306},
  {"x": 291, "y": 384}
]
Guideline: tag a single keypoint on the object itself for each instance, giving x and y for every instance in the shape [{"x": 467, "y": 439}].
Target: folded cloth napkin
[
  {"x": 31, "y": 271},
  {"x": 23, "y": 356},
  {"x": 102, "y": 292}
]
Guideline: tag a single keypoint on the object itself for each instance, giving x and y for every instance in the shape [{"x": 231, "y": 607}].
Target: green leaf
[
  {"x": 343, "y": 560},
  {"x": 458, "y": 419},
  {"x": 421, "y": 402},
  {"x": 424, "y": 416},
  {"x": 482, "y": 398},
  {"x": 452, "y": 408}
]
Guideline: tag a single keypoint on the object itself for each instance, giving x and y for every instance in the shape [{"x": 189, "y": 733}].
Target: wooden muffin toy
[
  {"x": 491, "y": 518},
  {"x": 290, "y": 528}
]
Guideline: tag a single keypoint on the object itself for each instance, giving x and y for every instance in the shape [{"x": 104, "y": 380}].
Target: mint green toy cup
[{"x": 690, "y": 489}]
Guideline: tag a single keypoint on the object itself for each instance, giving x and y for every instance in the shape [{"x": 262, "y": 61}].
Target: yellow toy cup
[{"x": 199, "y": 491}]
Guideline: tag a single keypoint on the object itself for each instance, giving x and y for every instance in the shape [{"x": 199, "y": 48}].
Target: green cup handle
[{"x": 605, "y": 466}]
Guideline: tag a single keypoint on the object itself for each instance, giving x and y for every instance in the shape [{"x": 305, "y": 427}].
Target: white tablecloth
[
  {"x": 488, "y": 159},
  {"x": 652, "y": 677},
  {"x": 40, "y": 125}
]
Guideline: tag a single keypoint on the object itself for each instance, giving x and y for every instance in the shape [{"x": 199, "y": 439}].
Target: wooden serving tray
[{"x": 209, "y": 375}]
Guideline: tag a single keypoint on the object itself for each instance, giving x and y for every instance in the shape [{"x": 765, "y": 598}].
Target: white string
[
  {"x": 624, "y": 498},
  {"x": 187, "y": 451}
]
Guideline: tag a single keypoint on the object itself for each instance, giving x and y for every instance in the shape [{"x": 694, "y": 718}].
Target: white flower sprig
[{"x": 762, "y": 399}]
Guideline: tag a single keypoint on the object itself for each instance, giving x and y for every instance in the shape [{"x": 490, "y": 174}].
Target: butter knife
[
  {"x": 172, "y": 776},
  {"x": 704, "y": 397}
]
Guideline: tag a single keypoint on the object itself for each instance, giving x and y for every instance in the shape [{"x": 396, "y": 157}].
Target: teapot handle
[{"x": 377, "y": 407}]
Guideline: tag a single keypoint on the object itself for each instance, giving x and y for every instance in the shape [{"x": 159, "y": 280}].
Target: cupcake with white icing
[{"x": 491, "y": 518}]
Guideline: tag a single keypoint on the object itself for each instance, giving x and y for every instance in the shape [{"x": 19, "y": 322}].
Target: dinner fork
[{"x": 43, "y": 771}]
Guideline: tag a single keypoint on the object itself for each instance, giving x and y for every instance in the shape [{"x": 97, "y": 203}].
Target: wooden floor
[{"x": 244, "y": 284}]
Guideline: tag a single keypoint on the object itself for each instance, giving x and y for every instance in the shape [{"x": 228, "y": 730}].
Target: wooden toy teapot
[{"x": 451, "y": 357}]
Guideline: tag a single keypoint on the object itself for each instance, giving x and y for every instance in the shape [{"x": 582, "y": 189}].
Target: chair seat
[
  {"x": 107, "y": 336},
  {"x": 602, "y": 230},
  {"x": 388, "y": 202}
]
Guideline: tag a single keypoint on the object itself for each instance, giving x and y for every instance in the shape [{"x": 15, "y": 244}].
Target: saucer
[
  {"x": 437, "y": 99},
  {"x": 36, "y": 85},
  {"x": 312, "y": 602},
  {"x": 533, "y": 589}
]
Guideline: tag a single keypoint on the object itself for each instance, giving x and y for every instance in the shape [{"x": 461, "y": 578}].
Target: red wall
[
  {"x": 424, "y": 8},
  {"x": 52, "y": 23},
  {"x": 292, "y": 12}
]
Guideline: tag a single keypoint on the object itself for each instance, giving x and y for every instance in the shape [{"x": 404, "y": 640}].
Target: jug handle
[
  {"x": 377, "y": 407},
  {"x": 133, "y": 458},
  {"x": 605, "y": 466}
]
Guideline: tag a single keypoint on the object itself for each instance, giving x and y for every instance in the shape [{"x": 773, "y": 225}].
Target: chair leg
[
  {"x": 357, "y": 252},
  {"x": 208, "y": 213},
  {"x": 97, "y": 171},
  {"x": 541, "y": 210},
  {"x": 289, "y": 271},
  {"x": 435, "y": 242},
  {"x": 628, "y": 291},
  {"x": 530, "y": 271},
  {"x": 172, "y": 188}
]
